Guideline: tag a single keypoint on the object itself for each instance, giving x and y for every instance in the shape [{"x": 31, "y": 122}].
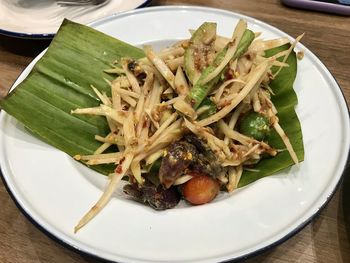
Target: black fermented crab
[
  {"x": 188, "y": 155},
  {"x": 156, "y": 197}
]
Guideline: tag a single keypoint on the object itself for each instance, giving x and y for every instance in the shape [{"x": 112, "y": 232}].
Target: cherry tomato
[{"x": 200, "y": 189}]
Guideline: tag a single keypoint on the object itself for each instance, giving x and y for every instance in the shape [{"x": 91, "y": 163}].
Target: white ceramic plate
[
  {"x": 41, "y": 18},
  {"x": 55, "y": 191}
]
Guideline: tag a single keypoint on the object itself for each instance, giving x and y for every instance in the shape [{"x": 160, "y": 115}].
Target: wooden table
[{"x": 325, "y": 239}]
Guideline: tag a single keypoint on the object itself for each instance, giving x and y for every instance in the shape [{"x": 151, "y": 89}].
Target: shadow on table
[
  {"x": 23, "y": 47},
  {"x": 331, "y": 234},
  {"x": 281, "y": 253},
  {"x": 344, "y": 212}
]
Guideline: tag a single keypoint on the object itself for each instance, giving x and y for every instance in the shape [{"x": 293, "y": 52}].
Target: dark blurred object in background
[
  {"x": 24, "y": 47},
  {"x": 340, "y": 7}
]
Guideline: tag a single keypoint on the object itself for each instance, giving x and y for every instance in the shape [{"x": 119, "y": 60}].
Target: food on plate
[
  {"x": 205, "y": 115},
  {"x": 155, "y": 113}
]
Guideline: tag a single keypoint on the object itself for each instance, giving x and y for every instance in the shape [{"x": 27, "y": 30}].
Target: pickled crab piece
[
  {"x": 157, "y": 197},
  {"x": 189, "y": 154}
]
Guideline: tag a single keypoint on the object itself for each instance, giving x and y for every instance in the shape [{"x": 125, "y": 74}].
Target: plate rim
[
  {"x": 43, "y": 36},
  {"x": 290, "y": 234}
]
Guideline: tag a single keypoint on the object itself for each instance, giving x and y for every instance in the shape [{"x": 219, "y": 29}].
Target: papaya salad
[{"x": 187, "y": 120}]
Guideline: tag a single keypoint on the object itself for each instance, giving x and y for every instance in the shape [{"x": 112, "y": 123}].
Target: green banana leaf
[
  {"x": 76, "y": 58},
  {"x": 60, "y": 82},
  {"x": 285, "y": 100}
]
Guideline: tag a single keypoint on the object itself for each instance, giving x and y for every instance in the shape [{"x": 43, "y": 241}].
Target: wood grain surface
[{"x": 325, "y": 239}]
